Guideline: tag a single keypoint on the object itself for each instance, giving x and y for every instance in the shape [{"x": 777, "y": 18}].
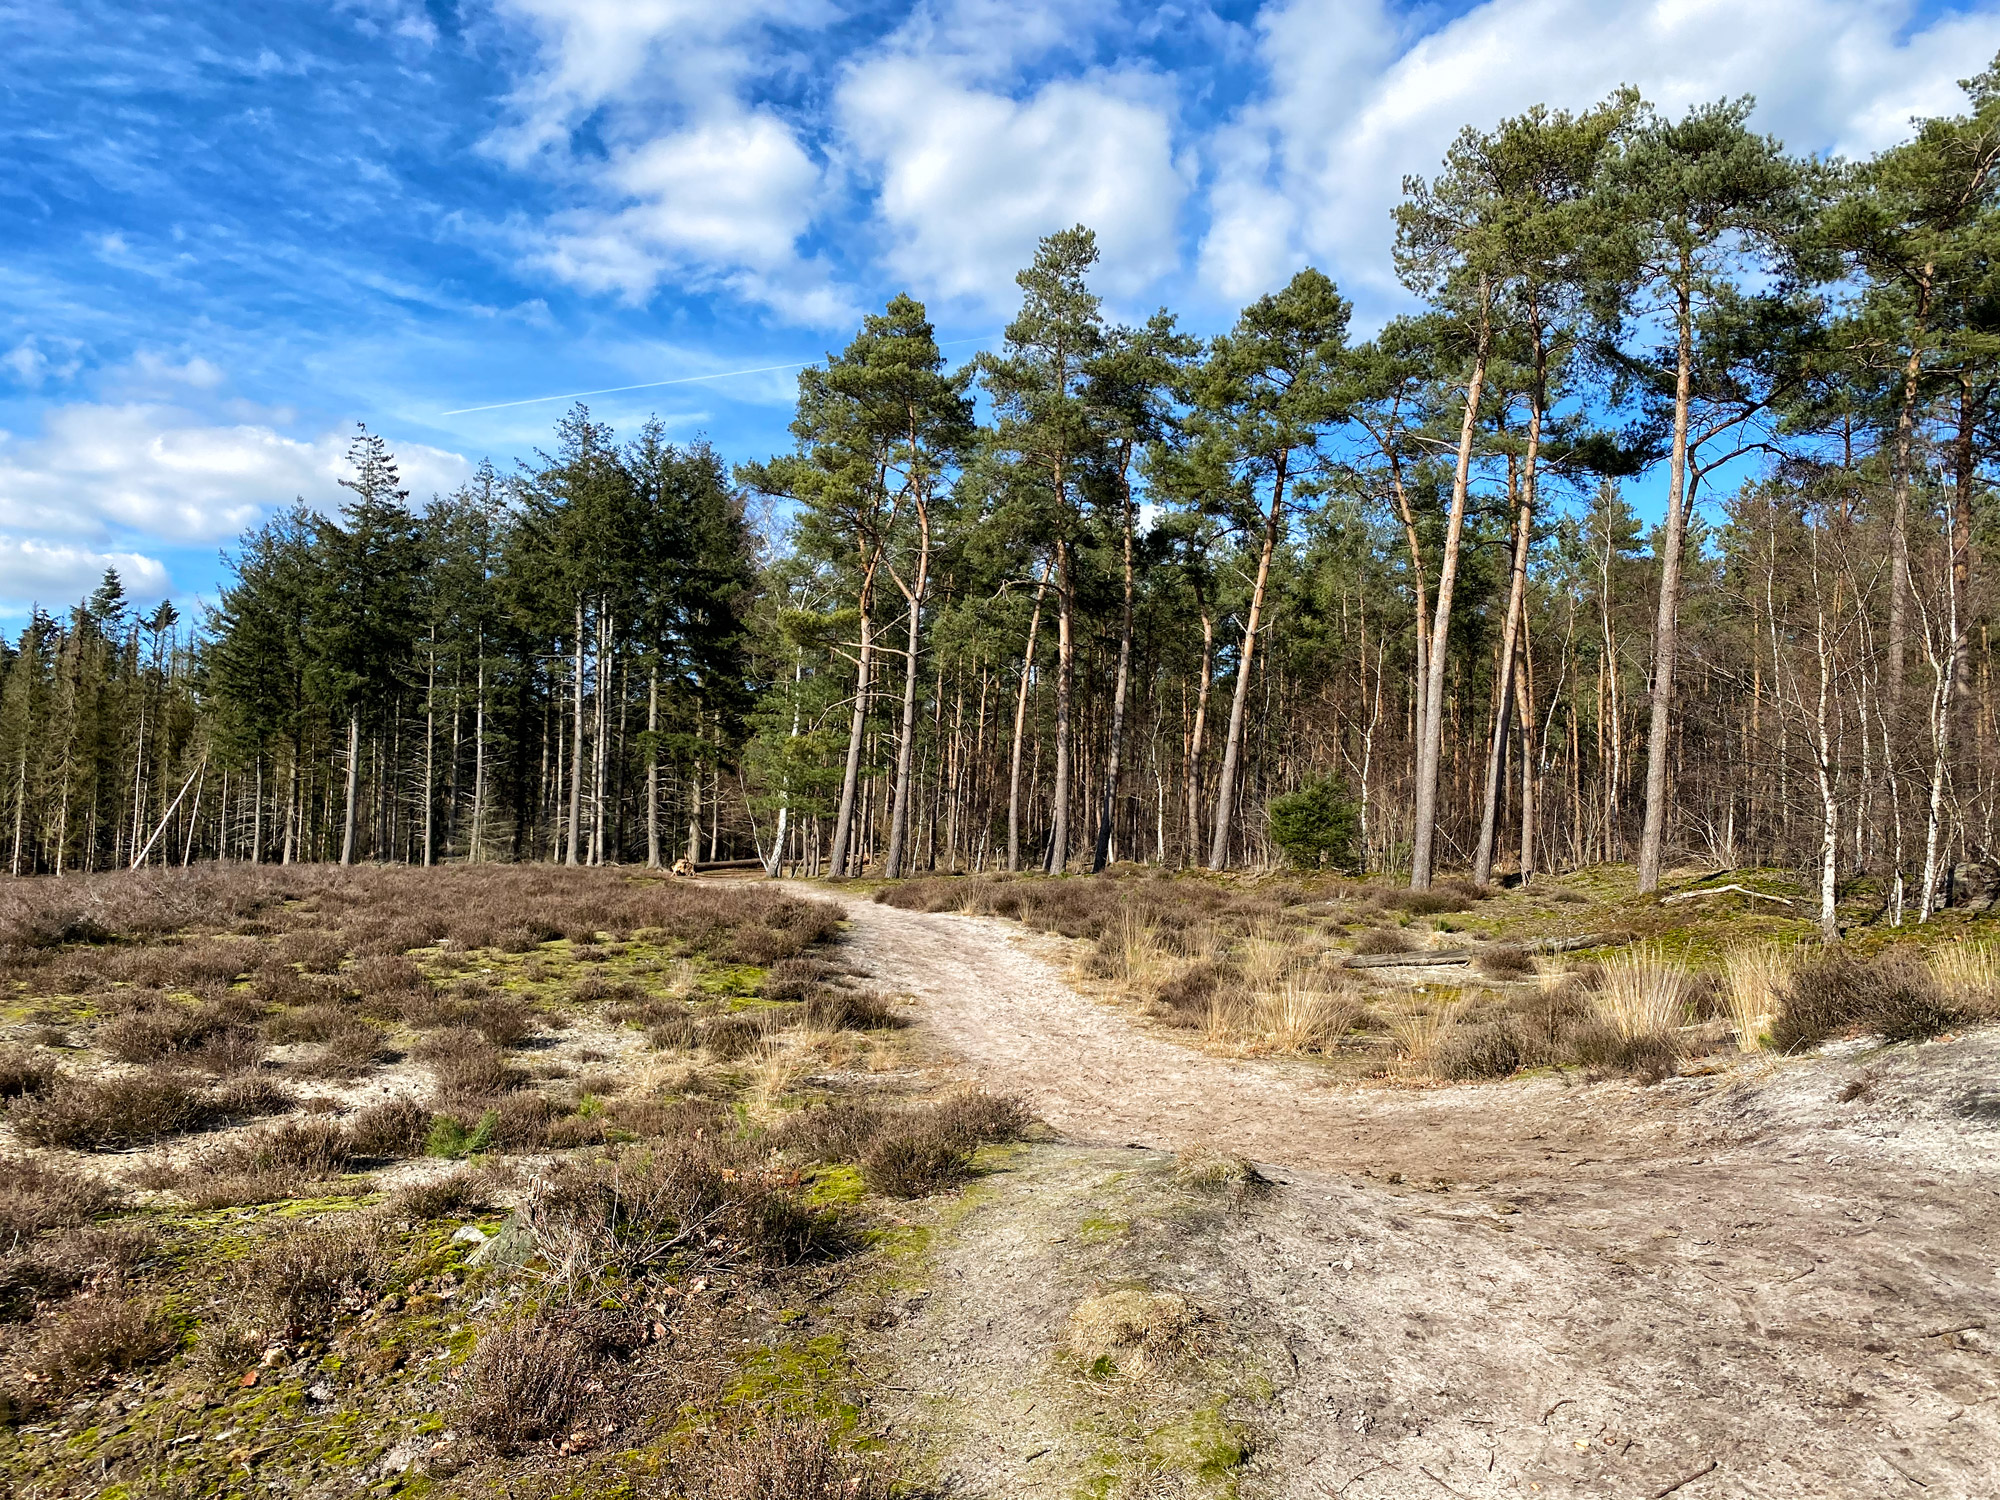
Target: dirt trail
[{"x": 1607, "y": 1289}]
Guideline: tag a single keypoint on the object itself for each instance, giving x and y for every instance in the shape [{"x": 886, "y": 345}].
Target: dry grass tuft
[
  {"x": 1755, "y": 974},
  {"x": 1210, "y": 1171},
  {"x": 1131, "y": 1333},
  {"x": 1642, "y": 994},
  {"x": 780, "y": 1459},
  {"x": 1968, "y": 973},
  {"x": 1302, "y": 1016},
  {"x": 1420, "y": 1031}
]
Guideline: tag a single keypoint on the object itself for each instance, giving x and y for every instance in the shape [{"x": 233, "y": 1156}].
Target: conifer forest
[{"x": 1659, "y": 532}]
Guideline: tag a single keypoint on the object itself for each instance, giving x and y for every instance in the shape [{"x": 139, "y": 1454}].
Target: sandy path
[{"x": 1624, "y": 1285}]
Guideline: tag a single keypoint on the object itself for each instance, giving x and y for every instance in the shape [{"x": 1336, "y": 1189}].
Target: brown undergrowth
[{"x": 495, "y": 1175}]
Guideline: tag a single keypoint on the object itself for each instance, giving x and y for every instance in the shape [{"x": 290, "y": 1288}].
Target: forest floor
[{"x": 1760, "y": 1277}]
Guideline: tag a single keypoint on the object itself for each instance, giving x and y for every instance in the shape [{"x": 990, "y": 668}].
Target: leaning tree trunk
[
  {"x": 1232, "y": 749},
  {"x": 1666, "y": 629},
  {"x": 1430, "y": 745},
  {"x": 1021, "y": 724},
  {"x": 1191, "y": 763},
  {"x": 843, "y": 827}
]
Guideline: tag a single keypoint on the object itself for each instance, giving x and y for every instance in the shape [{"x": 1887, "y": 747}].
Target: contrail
[{"x": 613, "y": 390}]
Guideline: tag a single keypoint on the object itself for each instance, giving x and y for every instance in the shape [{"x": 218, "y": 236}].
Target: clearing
[{"x": 1769, "y": 1279}]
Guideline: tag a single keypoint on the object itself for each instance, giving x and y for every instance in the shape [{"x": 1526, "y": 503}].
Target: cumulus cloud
[
  {"x": 970, "y": 178},
  {"x": 687, "y": 179},
  {"x": 977, "y": 143},
  {"x": 98, "y": 471},
  {"x": 51, "y": 575},
  {"x": 1355, "y": 100}
]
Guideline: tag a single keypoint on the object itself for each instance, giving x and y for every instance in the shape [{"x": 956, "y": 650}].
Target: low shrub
[
  {"x": 1188, "y": 998},
  {"x": 466, "y": 1065},
  {"x": 690, "y": 1202},
  {"x": 89, "y": 1338},
  {"x": 304, "y": 1278},
  {"x": 459, "y": 1192},
  {"x": 24, "y": 1070},
  {"x": 1477, "y": 1051},
  {"x": 823, "y": 1133},
  {"x": 1381, "y": 940},
  {"x": 313, "y": 951},
  {"x": 502, "y": 1019},
  {"x": 728, "y": 1037},
  {"x": 779, "y": 1460},
  {"x": 35, "y": 1196},
  {"x": 794, "y": 978},
  {"x": 135, "y": 1109},
  {"x": 832, "y": 1009},
  {"x": 157, "y": 1031},
  {"x": 673, "y": 1033},
  {"x": 397, "y": 1128},
  {"x": 1503, "y": 961},
  {"x": 526, "y": 1383},
  {"x": 1893, "y": 996}
]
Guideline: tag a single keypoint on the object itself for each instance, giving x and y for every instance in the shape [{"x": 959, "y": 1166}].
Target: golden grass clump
[
  {"x": 1299, "y": 1016},
  {"x": 1755, "y": 975},
  {"x": 1642, "y": 994},
  {"x": 1418, "y": 1032},
  {"x": 1131, "y": 1333},
  {"x": 1967, "y": 972}
]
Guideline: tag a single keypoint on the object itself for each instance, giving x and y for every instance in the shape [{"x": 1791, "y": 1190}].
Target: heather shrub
[
  {"x": 1486, "y": 1050},
  {"x": 1381, "y": 940},
  {"x": 824, "y": 1133},
  {"x": 1893, "y": 996},
  {"x": 526, "y": 1383},
  {"x": 24, "y": 1070},
  {"x": 832, "y": 1009},
  {"x": 134, "y": 1109},
  {"x": 1503, "y": 961},
  {"x": 782, "y": 1459},
  {"x": 397, "y": 1128},
  {"x": 304, "y": 1278},
  {"x": 36, "y": 1196}
]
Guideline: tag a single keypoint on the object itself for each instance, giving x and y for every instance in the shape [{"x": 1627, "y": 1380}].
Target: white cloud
[
  {"x": 970, "y": 178},
  {"x": 33, "y": 572},
  {"x": 97, "y": 471},
  {"x": 1311, "y": 169},
  {"x": 691, "y": 182},
  {"x": 32, "y": 363},
  {"x": 727, "y": 199}
]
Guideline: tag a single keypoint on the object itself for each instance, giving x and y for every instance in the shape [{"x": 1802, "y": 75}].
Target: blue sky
[{"x": 232, "y": 232}]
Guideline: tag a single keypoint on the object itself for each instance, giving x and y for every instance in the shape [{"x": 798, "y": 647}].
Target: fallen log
[
  {"x": 728, "y": 864},
  {"x": 1420, "y": 957},
  {"x": 1722, "y": 890}
]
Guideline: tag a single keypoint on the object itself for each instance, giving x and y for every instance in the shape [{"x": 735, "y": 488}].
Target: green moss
[
  {"x": 806, "y": 1378},
  {"x": 834, "y": 1185},
  {"x": 1204, "y": 1445},
  {"x": 1101, "y": 1230}
]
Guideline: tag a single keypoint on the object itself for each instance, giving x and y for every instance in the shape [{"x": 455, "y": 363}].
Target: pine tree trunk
[
  {"x": 1191, "y": 762},
  {"x": 430, "y": 749},
  {"x": 1503, "y": 689},
  {"x": 1101, "y": 855},
  {"x": 653, "y": 769},
  {"x": 476, "y": 844},
  {"x": 1058, "y": 854},
  {"x": 843, "y": 828},
  {"x": 1666, "y": 630},
  {"x": 1232, "y": 748},
  {"x": 353, "y": 784},
  {"x": 1021, "y": 722},
  {"x": 571, "y": 855},
  {"x": 1430, "y": 747},
  {"x": 899, "y": 817}
]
